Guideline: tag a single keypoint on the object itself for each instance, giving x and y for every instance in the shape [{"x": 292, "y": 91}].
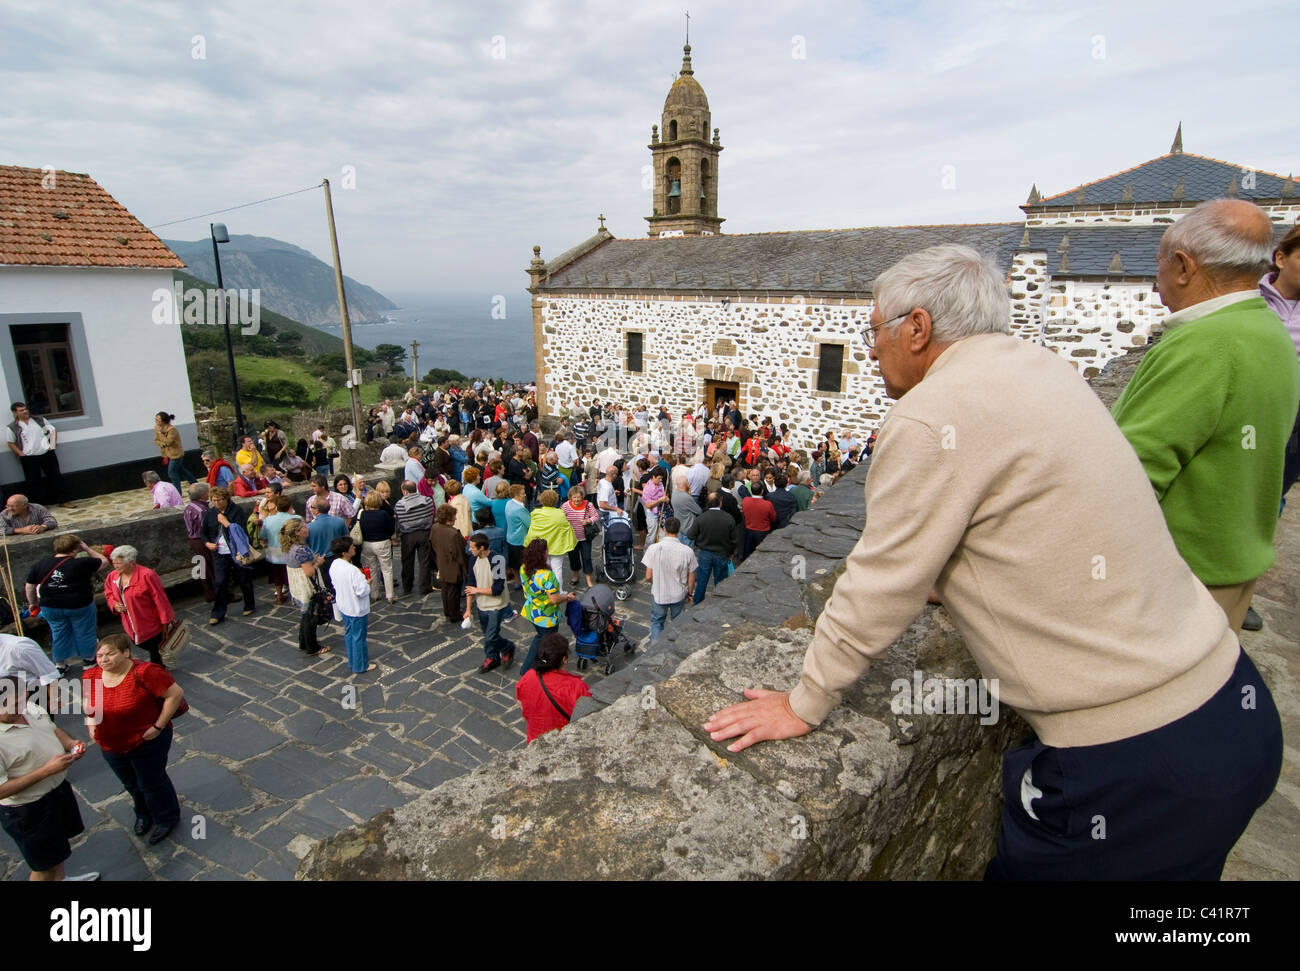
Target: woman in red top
[
  {"x": 751, "y": 450},
  {"x": 547, "y": 693},
  {"x": 129, "y": 706},
  {"x": 136, "y": 594}
]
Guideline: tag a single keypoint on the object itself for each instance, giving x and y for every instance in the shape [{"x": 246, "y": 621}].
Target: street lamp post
[
  {"x": 212, "y": 392},
  {"x": 219, "y": 235}
]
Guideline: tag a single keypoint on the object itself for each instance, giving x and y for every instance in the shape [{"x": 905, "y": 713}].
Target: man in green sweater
[{"x": 1211, "y": 406}]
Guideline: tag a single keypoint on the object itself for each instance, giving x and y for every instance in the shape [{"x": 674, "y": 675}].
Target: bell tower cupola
[{"x": 685, "y": 161}]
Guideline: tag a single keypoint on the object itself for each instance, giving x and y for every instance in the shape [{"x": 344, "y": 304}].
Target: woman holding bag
[
  {"x": 129, "y": 706},
  {"x": 305, "y": 585},
  {"x": 135, "y": 593}
]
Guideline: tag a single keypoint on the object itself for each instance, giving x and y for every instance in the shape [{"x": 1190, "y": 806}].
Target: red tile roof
[{"x": 54, "y": 218}]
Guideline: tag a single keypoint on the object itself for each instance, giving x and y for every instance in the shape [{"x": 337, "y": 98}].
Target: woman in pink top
[
  {"x": 654, "y": 498},
  {"x": 579, "y": 512}
]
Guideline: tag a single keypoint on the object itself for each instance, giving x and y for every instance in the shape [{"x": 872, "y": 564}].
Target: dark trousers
[
  {"x": 1168, "y": 804},
  {"x": 36, "y": 467},
  {"x": 1291, "y": 463},
  {"x": 175, "y": 469},
  {"x": 222, "y": 568},
  {"x": 710, "y": 564},
  {"x": 307, "y": 641},
  {"x": 143, "y": 772},
  {"x": 150, "y": 647},
  {"x": 205, "y": 576},
  {"x": 580, "y": 558},
  {"x": 415, "y": 546},
  {"x": 749, "y": 542},
  {"x": 451, "y": 590}
]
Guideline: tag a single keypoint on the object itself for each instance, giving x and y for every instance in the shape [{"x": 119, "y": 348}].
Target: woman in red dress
[
  {"x": 547, "y": 693},
  {"x": 129, "y": 707},
  {"x": 136, "y": 594}
]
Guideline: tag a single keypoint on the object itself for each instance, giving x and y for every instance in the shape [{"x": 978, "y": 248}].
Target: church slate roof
[
  {"x": 1157, "y": 181},
  {"x": 1092, "y": 249},
  {"x": 844, "y": 261}
]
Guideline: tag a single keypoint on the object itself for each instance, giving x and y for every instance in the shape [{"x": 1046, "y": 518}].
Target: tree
[{"x": 391, "y": 354}]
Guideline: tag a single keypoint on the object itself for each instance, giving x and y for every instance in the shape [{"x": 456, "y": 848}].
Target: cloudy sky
[{"x": 474, "y": 130}]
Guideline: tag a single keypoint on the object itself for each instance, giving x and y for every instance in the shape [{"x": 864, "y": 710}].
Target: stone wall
[
  {"x": 1091, "y": 324},
  {"x": 1144, "y": 215},
  {"x": 769, "y": 346}
]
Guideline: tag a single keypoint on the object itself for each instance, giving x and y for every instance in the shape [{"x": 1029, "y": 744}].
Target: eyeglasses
[{"x": 869, "y": 333}]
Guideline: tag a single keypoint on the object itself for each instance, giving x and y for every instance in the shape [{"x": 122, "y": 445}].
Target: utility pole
[
  {"x": 415, "y": 365},
  {"x": 348, "y": 356}
]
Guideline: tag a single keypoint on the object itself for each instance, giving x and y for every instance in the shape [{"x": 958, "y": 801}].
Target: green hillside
[{"x": 311, "y": 342}]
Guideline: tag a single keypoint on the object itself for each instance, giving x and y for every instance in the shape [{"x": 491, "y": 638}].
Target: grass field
[
  {"x": 276, "y": 369},
  {"x": 342, "y": 397}
]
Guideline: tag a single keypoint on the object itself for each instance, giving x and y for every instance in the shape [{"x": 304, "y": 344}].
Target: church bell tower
[{"x": 685, "y": 162}]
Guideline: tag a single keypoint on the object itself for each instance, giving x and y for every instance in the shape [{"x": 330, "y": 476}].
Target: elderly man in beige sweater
[{"x": 1000, "y": 480}]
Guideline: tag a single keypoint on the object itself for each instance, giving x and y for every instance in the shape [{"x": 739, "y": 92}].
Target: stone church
[{"x": 774, "y": 320}]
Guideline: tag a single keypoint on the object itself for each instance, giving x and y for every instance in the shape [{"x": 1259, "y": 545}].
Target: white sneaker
[{"x": 89, "y": 877}]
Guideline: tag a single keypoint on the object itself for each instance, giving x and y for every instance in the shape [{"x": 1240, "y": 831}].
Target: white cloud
[{"x": 465, "y": 160}]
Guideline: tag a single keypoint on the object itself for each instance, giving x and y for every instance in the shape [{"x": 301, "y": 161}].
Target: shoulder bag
[{"x": 568, "y": 716}]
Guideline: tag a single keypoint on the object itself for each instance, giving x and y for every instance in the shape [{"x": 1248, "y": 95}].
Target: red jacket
[
  {"x": 760, "y": 514},
  {"x": 240, "y": 487},
  {"x": 215, "y": 471},
  {"x": 751, "y": 450},
  {"x": 148, "y": 610},
  {"x": 540, "y": 715}
]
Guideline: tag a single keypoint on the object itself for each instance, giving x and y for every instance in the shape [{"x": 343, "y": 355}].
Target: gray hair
[
  {"x": 964, "y": 292},
  {"x": 199, "y": 491},
  {"x": 152, "y": 479},
  {"x": 1220, "y": 244},
  {"x": 210, "y": 453},
  {"x": 127, "y": 554}
]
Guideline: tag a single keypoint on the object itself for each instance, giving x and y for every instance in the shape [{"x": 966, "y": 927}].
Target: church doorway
[{"x": 715, "y": 391}]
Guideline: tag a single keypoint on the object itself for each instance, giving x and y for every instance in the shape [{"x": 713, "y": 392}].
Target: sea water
[{"x": 480, "y": 335}]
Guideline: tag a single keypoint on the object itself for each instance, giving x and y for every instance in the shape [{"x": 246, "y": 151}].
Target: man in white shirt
[
  {"x": 607, "y": 457},
  {"x": 33, "y": 440},
  {"x": 567, "y": 455},
  {"x": 387, "y": 417},
  {"x": 351, "y": 603},
  {"x": 394, "y": 454},
  {"x": 607, "y": 495},
  {"x": 670, "y": 568}
]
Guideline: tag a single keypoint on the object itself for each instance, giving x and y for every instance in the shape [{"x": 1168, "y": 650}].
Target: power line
[{"x": 218, "y": 212}]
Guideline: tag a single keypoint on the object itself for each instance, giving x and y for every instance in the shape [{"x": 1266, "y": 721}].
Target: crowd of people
[{"x": 1161, "y": 492}]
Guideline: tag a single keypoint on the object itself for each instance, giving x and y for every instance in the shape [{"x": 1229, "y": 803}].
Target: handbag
[
  {"x": 175, "y": 638},
  {"x": 322, "y": 602}
]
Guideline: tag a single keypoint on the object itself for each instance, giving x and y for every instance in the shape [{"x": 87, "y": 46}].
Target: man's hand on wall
[{"x": 766, "y": 716}]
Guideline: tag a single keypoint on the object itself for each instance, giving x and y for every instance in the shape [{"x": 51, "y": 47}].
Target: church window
[
  {"x": 830, "y": 367},
  {"x": 635, "y": 349},
  {"x": 672, "y": 130}
]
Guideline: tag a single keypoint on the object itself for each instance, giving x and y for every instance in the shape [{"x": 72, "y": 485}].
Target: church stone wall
[
  {"x": 769, "y": 347},
  {"x": 1089, "y": 324}
]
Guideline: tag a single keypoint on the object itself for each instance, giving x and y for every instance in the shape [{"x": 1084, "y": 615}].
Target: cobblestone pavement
[
  {"x": 271, "y": 757},
  {"x": 104, "y": 508}
]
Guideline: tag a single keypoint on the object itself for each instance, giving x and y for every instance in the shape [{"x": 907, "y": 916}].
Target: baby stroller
[
  {"x": 597, "y": 633},
  {"x": 619, "y": 559}
]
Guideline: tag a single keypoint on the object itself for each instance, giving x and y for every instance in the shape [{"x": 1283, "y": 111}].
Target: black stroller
[
  {"x": 597, "y": 633},
  {"x": 619, "y": 558}
]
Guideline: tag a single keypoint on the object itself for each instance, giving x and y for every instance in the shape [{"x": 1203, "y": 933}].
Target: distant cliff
[{"x": 293, "y": 281}]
